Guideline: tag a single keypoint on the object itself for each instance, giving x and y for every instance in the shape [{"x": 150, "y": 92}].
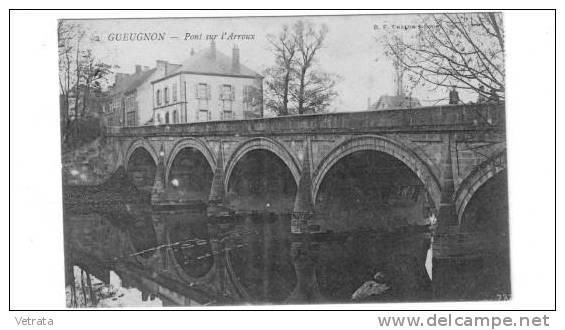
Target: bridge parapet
[{"x": 438, "y": 118}]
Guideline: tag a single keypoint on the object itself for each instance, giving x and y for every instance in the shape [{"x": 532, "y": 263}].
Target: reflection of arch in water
[
  {"x": 260, "y": 265},
  {"x": 143, "y": 239},
  {"x": 189, "y": 241}
]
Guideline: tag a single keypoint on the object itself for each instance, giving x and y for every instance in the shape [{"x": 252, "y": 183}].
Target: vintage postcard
[{"x": 284, "y": 160}]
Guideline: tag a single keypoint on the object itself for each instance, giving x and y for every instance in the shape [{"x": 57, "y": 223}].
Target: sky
[{"x": 350, "y": 49}]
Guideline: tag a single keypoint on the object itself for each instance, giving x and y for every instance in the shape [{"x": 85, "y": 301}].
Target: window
[
  {"x": 166, "y": 118},
  {"x": 227, "y": 113},
  {"x": 174, "y": 92},
  {"x": 202, "y": 91},
  {"x": 226, "y": 105},
  {"x": 175, "y": 117},
  {"x": 226, "y": 92},
  {"x": 158, "y": 97},
  {"x": 130, "y": 119},
  {"x": 202, "y": 94},
  {"x": 166, "y": 95}
]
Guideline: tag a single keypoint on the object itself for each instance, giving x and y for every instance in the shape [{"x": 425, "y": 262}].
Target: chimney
[
  {"x": 235, "y": 60},
  {"x": 191, "y": 51},
  {"x": 137, "y": 68},
  {"x": 162, "y": 68},
  {"x": 368, "y": 103},
  {"x": 213, "y": 50}
]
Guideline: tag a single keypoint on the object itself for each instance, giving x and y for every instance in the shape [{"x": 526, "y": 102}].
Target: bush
[{"x": 79, "y": 132}]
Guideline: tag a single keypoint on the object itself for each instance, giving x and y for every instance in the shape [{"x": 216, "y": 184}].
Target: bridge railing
[{"x": 440, "y": 118}]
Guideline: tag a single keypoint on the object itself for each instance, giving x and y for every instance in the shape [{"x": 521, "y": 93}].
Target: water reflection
[{"x": 182, "y": 257}]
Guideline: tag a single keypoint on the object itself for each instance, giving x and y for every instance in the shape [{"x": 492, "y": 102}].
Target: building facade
[
  {"x": 130, "y": 102},
  {"x": 209, "y": 86}
]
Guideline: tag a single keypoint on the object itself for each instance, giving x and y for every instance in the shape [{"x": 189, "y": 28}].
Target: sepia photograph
[{"x": 284, "y": 160}]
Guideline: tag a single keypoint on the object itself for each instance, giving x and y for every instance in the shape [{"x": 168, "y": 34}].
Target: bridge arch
[
  {"x": 380, "y": 144},
  {"x": 479, "y": 176},
  {"x": 193, "y": 143},
  {"x": 261, "y": 143},
  {"x": 140, "y": 143}
]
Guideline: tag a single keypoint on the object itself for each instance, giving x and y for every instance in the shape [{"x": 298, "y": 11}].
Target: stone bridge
[{"x": 452, "y": 151}]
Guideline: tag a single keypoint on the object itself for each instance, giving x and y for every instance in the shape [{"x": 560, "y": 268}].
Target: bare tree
[
  {"x": 65, "y": 33},
  {"x": 308, "y": 42},
  {"x": 93, "y": 74},
  {"x": 316, "y": 92},
  {"x": 294, "y": 84},
  {"x": 461, "y": 50},
  {"x": 78, "y": 68},
  {"x": 279, "y": 76}
]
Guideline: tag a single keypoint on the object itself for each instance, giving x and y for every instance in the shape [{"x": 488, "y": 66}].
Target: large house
[
  {"x": 208, "y": 86},
  {"x": 131, "y": 98}
]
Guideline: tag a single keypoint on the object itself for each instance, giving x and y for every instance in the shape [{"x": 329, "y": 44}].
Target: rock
[{"x": 368, "y": 289}]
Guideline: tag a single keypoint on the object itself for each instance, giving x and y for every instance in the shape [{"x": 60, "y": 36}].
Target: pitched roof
[
  {"x": 132, "y": 81},
  {"x": 396, "y": 102},
  {"x": 205, "y": 62}
]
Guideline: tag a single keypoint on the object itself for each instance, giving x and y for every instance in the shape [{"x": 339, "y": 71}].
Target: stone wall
[{"x": 90, "y": 164}]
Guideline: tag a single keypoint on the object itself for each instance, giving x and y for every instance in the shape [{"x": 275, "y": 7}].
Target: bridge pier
[
  {"x": 450, "y": 260},
  {"x": 303, "y": 213},
  {"x": 216, "y": 199},
  {"x": 304, "y": 255},
  {"x": 158, "y": 192}
]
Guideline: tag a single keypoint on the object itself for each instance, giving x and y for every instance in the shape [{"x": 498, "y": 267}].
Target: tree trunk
[
  {"x": 301, "y": 92},
  {"x": 77, "y": 96},
  {"x": 284, "y": 110},
  {"x": 85, "y": 96}
]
